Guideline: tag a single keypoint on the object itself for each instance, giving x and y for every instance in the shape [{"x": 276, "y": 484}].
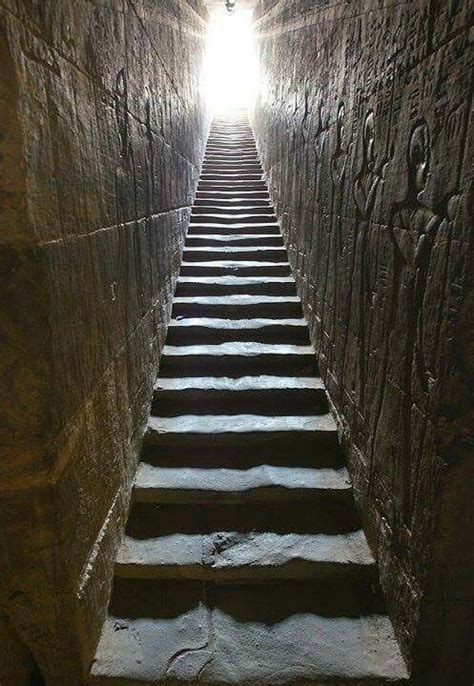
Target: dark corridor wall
[
  {"x": 362, "y": 125},
  {"x": 102, "y": 132}
]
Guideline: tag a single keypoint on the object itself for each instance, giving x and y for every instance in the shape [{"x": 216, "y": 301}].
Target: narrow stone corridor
[{"x": 243, "y": 559}]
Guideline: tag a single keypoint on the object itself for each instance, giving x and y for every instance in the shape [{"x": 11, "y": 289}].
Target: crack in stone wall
[
  {"x": 362, "y": 126},
  {"x": 103, "y": 132}
]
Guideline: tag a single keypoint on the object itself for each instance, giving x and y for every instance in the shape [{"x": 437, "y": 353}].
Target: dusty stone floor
[{"x": 243, "y": 559}]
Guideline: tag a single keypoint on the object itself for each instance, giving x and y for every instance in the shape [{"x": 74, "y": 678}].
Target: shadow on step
[
  {"x": 328, "y": 514},
  {"x": 269, "y": 604},
  {"x": 284, "y": 453}
]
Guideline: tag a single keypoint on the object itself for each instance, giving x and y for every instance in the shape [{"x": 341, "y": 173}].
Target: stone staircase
[{"x": 243, "y": 561}]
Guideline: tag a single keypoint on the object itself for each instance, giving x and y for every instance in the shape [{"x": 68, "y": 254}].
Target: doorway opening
[{"x": 231, "y": 65}]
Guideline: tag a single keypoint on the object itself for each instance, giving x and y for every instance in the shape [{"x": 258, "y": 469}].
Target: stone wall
[
  {"x": 102, "y": 132},
  {"x": 362, "y": 125}
]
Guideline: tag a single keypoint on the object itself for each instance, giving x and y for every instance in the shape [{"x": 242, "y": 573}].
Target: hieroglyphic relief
[
  {"x": 412, "y": 230},
  {"x": 380, "y": 233}
]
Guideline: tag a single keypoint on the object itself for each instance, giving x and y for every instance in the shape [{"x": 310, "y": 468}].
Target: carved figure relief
[
  {"x": 339, "y": 158},
  {"x": 413, "y": 229},
  {"x": 366, "y": 184}
]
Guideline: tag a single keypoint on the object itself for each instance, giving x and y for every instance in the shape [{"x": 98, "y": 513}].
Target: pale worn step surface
[
  {"x": 259, "y": 484},
  {"x": 241, "y": 557},
  {"x": 222, "y": 426},
  {"x": 227, "y": 635},
  {"x": 265, "y": 395},
  {"x": 243, "y": 560}
]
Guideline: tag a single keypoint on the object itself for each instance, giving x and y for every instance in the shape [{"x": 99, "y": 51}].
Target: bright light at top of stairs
[{"x": 230, "y": 68}]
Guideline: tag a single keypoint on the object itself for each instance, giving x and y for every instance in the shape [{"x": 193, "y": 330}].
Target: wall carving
[
  {"x": 373, "y": 193},
  {"x": 102, "y": 137}
]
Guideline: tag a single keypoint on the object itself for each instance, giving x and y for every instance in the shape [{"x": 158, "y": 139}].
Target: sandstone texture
[
  {"x": 102, "y": 136},
  {"x": 362, "y": 128}
]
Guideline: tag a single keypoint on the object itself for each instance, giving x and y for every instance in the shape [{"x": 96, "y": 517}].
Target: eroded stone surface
[{"x": 211, "y": 646}]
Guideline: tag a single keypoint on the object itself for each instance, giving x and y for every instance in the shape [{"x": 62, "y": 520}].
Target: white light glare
[{"x": 230, "y": 69}]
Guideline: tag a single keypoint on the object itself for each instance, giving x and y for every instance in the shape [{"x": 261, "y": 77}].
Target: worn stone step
[
  {"x": 265, "y": 395},
  {"x": 206, "y": 254},
  {"x": 232, "y": 159},
  {"x": 222, "y": 146},
  {"x": 237, "y": 306},
  {"x": 233, "y": 218},
  {"x": 232, "y": 194},
  {"x": 234, "y": 187},
  {"x": 232, "y": 152},
  {"x": 223, "y": 307},
  {"x": 242, "y": 557},
  {"x": 229, "y": 230},
  {"x": 203, "y": 207},
  {"x": 284, "y": 633},
  {"x": 195, "y": 330},
  {"x": 232, "y": 168},
  {"x": 230, "y": 177},
  {"x": 240, "y": 141},
  {"x": 231, "y": 205},
  {"x": 240, "y": 454},
  {"x": 235, "y": 268},
  {"x": 228, "y": 240},
  {"x": 298, "y": 432},
  {"x": 259, "y": 224},
  {"x": 231, "y": 285},
  {"x": 264, "y": 484},
  {"x": 220, "y": 360},
  {"x": 191, "y": 288}
]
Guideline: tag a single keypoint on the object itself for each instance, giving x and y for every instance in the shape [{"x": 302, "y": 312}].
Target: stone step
[
  {"x": 230, "y": 205},
  {"x": 238, "y": 306},
  {"x": 255, "y": 486},
  {"x": 236, "y": 161},
  {"x": 203, "y": 207},
  {"x": 232, "y": 285},
  {"x": 265, "y": 395},
  {"x": 232, "y": 186},
  {"x": 232, "y": 152},
  {"x": 228, "y": 240},
  {"x": 229, "y": 177},
  {"x": 236, "y": 359},
  {"x": 235, "y": 268},
  {"x": 249, "y": 307},
  {"x": 240, "y": 454},
  {"x": 229, "y": 229},
  {"x": 195, "y": 331},
  {"x": 259, "y": 224},
  {"x": 285, "y": 633},
  {"x": 232, "y": 194},
  {"x": 243, "y": 557},
  {"x": 313, "y": 511},
  {"x": 307, "y": 432},
  {"x": 231, "y": 168},
  {"x": 233, "y": 218},
  {"x": 224, "y": 147},
  {"x": 206, "y": 254},
  {"x": 239, "y": 139}
]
